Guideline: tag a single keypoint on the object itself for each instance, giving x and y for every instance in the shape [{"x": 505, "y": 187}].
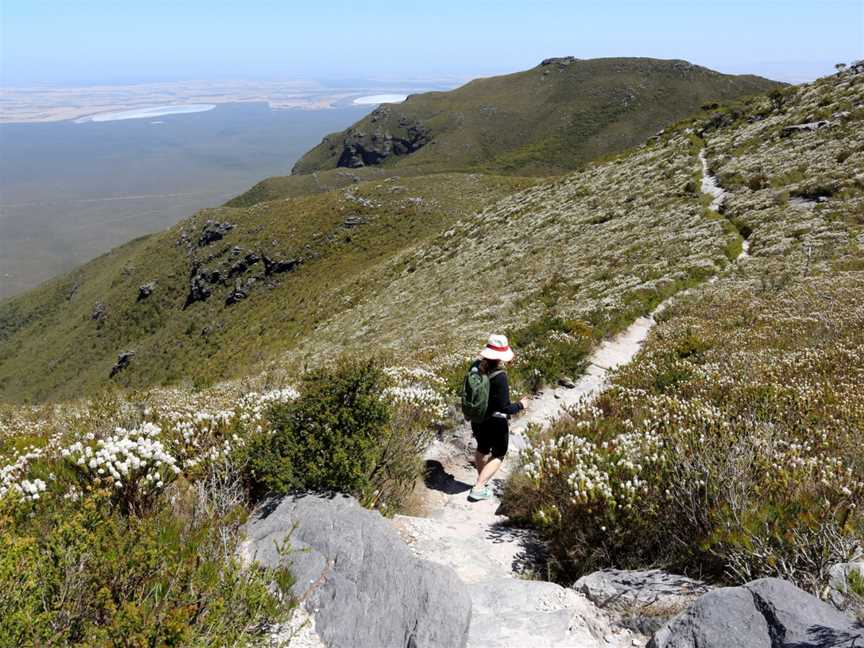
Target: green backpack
[{"x": 475, "y": 394}]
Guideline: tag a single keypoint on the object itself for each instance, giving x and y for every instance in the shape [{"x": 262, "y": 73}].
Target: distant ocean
[{"x": 71, "y": 191}]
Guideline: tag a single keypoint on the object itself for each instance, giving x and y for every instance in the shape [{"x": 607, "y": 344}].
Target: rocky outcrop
[
  {"x": 804, "y": 128},
  {"x": 145, "y": 290},
  {"x": 357, "y": 578},
  {"x": 278, "y": 266},
  {"x": 642, "y": 600},
  {"x": 766, "y": 613},
  {"x": 386, "y": 134},
  {"x": 123, "y": 360},
  {"x": 213, "y": 231},
  {"x": 201, "y": 281}
]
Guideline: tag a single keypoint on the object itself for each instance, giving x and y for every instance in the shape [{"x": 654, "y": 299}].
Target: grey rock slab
[
  {"x": 798, "y": 620},
  {"x": 721, "y": 619},
  {"x": 838, "y": 581},
  {"x": 643, "y": 599},
  {"x": 357, "y": 578},
  {"x": 510, "y": 613},
  {"x": 766, "y": 613}
]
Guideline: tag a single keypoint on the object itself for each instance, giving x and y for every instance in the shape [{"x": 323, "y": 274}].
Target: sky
[{"x": 129, "y": 41}]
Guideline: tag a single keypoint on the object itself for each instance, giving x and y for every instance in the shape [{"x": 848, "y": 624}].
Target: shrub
[
  {"x": 344, "y": 433},
  {"x": 730, "y": 448},
  {"x": 549, "y": 348},
  {"x": 82, "y": 573}
]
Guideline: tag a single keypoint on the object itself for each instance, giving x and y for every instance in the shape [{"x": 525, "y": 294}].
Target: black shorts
[{"x": 493, "y": 436}]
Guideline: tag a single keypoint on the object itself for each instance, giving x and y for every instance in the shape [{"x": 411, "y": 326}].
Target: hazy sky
[{"x": 85, "y": 41}]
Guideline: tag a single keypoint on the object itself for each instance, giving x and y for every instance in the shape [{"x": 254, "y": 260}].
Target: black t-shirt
[{"x": 499, "y": 396}]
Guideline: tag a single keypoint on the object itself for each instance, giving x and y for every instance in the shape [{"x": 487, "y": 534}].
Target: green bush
[
  {"x": 548, "y": 349},
  {"x": 82, "y": 573},
  {"x": 341, "y": 434}
]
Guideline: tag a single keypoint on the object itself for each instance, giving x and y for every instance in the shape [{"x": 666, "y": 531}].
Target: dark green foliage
[{"x": 329, "y": 439}]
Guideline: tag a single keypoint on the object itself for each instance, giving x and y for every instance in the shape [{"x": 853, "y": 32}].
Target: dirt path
[{"x": 495, "y": 559}]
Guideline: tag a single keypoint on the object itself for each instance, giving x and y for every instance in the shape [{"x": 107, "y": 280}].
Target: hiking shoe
[{"x": 478, "y": 494}]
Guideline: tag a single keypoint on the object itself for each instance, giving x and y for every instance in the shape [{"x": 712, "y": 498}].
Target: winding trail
[{"x": 495, "y": 559}]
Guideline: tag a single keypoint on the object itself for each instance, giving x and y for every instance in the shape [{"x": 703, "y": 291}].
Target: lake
[{"x": 72, "y": 191}]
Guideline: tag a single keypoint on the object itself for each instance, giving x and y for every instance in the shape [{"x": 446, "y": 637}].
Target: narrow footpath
[{"x": 500, "y": 562}]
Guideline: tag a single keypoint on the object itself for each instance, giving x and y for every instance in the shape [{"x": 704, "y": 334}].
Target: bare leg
[
  {"x": 489, "y": 469},
  {"x": 479, "y": 461}
]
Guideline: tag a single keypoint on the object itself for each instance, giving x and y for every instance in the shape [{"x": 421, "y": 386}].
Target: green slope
[{"x": 541, "y": 121}]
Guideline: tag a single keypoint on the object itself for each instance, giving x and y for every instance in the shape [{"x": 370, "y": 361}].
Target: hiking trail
[{"x": 498, "y": 560}]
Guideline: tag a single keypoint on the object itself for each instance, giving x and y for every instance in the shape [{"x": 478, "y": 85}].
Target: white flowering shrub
[
  {"x": 731, "y": 445},
  {"x": 133, "y": 463}
]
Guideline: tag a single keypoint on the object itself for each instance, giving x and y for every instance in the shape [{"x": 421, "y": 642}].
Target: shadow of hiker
[
  {"x": 532, "y": 556},
  {"x": 436, "y": 478}
]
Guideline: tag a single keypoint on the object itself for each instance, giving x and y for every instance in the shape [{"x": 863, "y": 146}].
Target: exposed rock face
[
  {"x": 200, "y": 282},
  {"x": 276, "y": 266},
  {"x": 98, "y": 313},
  {"x": 766, "y": 613},
  {"x": 146, "y": 290},
  {"x": 213, "y": 231},
  {"x": 804, "y": 128},
  {"x": 643, "y": 600},
  {"x": 123, "y": 360},
  {"x": 391, "y": 135},
  {"x": 560, "y": 61},
  {"x": 357, "y": 578}
]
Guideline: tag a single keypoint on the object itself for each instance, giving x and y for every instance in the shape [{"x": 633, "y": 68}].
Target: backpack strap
[{"x": 495, "y": 373}]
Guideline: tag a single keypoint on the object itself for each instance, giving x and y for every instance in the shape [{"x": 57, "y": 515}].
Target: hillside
[
  {"x": 289, "y": 281},
  {"x": 545, "y": 120},
  {"x": 718, "y": 436}
]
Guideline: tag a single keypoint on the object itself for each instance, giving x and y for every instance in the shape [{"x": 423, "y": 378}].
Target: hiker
[{"x": 487, "y": 381}]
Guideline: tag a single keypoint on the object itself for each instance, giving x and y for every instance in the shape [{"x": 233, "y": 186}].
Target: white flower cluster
[
  {"x": 416, "y": 387},
  {"x": 134, "y": 458},
  {"x": 12, "y": 475}
]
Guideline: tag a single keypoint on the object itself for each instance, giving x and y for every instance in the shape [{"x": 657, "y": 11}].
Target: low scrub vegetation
[
  {"x": 120, "y": 516},
  {"x": 730, "y": 448}
]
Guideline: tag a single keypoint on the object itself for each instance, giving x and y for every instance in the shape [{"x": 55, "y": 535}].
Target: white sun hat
[{"x": 497, "y": 348}]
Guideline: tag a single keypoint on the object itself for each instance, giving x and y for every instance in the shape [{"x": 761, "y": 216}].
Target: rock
[
  {"x": 212, "y": 232},
  {"x": 357, "y": 578},
  {"x": 123, "y": 360},
  {"x": 146, "y": 290},
  {"x": 766, "y": 613},
  {"x": 242, "y": 265},
  {"x": 275, "y": 266},
  {"x": 560, "y": 61},
  {"x": 804, "y": 128},
  {"x": 567, "y": 383},
  {"x": 241, "y": 291},
  {"x": 511, "y": 612},
  {"x": 643, "y": 600},
  {"x": 353, "y": 221},
  {"x": 838, "y": 582},
  {"x": 393, "y": 134},
  {"x": 98, "y": 313},
  {"x": 199, "y": 284}
]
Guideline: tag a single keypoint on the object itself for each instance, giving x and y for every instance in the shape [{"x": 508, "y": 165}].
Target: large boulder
[
  {"x": 642, "y": 600},
  {"x": 766, "y": 613},
  {"x": 357, "y": 578}
]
